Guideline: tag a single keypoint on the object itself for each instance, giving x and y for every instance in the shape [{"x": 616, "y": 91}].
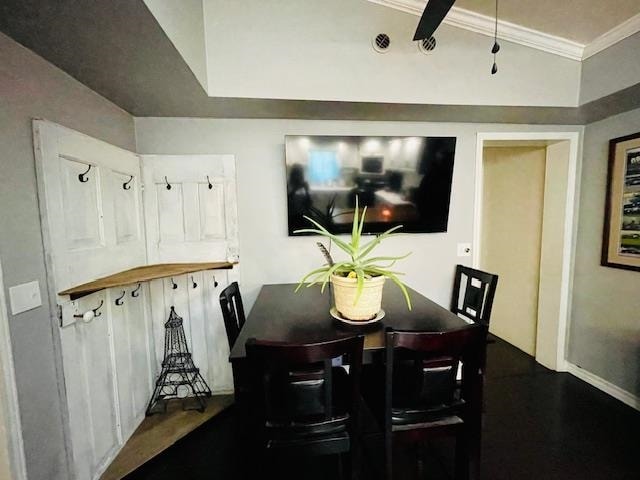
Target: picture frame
[{"x": 621, "y": 234}]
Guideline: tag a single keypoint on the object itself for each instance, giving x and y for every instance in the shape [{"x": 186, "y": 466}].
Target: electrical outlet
[{"x": 464, "y": 249}]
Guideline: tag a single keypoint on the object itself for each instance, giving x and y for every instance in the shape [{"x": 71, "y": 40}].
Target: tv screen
[{"x": 401, "y": 180}]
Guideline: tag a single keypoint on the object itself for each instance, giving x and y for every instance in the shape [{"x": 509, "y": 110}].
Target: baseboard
[{"x": 616, "y": 392}]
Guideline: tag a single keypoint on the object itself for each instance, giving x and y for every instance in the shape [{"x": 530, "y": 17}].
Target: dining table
[{"x": 283, "y": 314}]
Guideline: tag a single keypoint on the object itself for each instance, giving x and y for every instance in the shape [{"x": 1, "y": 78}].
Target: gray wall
[
  {"x": 267, "y": 254},
  {"x": 611, "y": 70},
  {"x": 605, "y": 327},
  {"x": 31, "y": 87}
]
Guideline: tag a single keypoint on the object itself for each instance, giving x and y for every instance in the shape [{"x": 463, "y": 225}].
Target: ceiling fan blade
[{"x": 433, "y": 14}]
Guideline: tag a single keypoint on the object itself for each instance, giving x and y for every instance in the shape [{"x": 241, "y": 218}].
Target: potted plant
[{"x": 358, "y": 280}]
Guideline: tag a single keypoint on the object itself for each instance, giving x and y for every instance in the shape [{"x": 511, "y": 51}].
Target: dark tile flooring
[{"x": 538, "y": 424}]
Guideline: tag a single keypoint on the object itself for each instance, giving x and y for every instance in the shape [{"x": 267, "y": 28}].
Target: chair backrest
[
  {"x": 232, "y": 311},
  {"x": 473, "y": 293},
  {"x": 293, "y": 382},
  {"x": 421, "y": 368}
]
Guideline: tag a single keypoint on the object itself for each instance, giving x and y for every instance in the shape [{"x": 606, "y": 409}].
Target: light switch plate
[
  {"x": 24, "y": 297},
  {"x": 464, "y": 249}
]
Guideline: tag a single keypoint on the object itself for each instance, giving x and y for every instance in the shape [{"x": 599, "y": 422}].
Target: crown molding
[
  {"x": 613, "y": 36},
  {"x": 475, "y": 22}
]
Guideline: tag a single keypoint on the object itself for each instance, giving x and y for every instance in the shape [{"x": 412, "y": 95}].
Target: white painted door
[
  {"x": 194, "y": 220},
  {"x": 91, "y": 205},
  {"x": 190, "y": 207},
  {"x": 91, "y": 208},
  {"x": 512, "y": 212}
]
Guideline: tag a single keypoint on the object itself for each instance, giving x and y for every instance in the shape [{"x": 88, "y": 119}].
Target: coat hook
[
  {"x": 167, "y": 182},
  {"x": 215, "y": 282},
  {"x": 126, "y": 185},
  {"x": 82, "y": 177},
  {"x": 90, "y": 314},
  {"x": 95, "y": 310},
  {"x": 119, "y": 300},
  {"x": 136, "y": 293},
  {"x": 173, "y": 284},
  {"x": 195, "y": 285},
  {"x": 209, "y": 182}
]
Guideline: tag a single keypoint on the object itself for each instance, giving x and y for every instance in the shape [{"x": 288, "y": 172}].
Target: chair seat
[
  {"x": 306, "y": 426},
  {"x": 311, "y": 427},
  {"x": 404, "y": 416},
  {"x": 316, "y": 445}
]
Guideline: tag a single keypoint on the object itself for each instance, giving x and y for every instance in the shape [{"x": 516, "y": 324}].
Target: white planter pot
[{"x": 369, "y": 303}]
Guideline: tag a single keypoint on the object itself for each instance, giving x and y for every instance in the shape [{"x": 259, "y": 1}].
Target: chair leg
[
  {"x": 388, "y": 454},
  {"x": 340, "y": 466},
  {"x": 462, "y": 457},
  {"x": 467, "y": 456}
]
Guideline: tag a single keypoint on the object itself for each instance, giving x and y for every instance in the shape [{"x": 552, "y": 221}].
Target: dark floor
[{"x": 538, "y": 424}]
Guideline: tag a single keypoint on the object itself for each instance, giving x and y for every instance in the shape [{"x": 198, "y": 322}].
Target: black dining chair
[
  {"x": 414, "y": 394},
  {"x": 232, "y": 312},
  {"x": 473, "y": 293},
  {"x": 301, "y": 404}
]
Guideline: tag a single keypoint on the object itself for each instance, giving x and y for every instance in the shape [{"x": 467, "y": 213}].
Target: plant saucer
[{"x": 334, "y": 313}]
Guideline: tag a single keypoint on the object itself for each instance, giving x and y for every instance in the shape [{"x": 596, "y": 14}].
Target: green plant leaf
[
  {"x": 325, "y": 233},
  {"x": 364, "y": 213},
  {"x": 329, "y": 273},
  {"x": 375, "y": 242},
  {"x": 311, "y": 273},
  {"x": 354, "y": 228}
]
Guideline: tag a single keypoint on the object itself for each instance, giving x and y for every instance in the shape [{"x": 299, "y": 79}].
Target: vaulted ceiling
[{"x": 118, "y": 49}]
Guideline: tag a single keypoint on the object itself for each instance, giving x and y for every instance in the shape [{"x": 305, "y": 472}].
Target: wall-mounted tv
[{"x": 401, "y": 180}]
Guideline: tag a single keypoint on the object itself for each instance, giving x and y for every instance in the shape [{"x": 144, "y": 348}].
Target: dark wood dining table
[{"x": 281, "y": 314}]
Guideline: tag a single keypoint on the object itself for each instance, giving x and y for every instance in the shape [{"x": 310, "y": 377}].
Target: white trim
[
  {"x": 616, "y": 34},
  {"x": 570, "y": 226},
  {"x": 485, "y": 25},
  {"x": 17, "y": 462},
  {"x": 616, "y": 392}
]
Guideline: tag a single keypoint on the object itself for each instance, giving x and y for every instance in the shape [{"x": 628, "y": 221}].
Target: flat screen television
[{"x": 401, "y": 180}]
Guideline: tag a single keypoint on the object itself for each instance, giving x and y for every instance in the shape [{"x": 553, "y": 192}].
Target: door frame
[
  {"x": 17, "y": 463},
  {"x": 570, "y": 225}
]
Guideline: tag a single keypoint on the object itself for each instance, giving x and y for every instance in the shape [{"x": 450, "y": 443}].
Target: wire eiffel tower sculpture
[{"x": 178, "y": 370}]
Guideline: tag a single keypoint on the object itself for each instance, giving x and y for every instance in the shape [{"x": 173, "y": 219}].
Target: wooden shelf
[{"x": 143, "y": 274}]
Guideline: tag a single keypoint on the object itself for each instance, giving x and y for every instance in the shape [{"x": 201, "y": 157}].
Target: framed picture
[{"x": 621, "y": 237}]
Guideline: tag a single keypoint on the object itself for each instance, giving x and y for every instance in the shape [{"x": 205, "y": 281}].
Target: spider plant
[{"x": 360, "y": 263}]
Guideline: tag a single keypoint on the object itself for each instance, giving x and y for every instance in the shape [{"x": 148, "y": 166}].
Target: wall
[
  {"x": 611, "y": 70},
  {"x": 267, "y": 254},
  {"x": 605, "y": 328},
  {"x": 512, "y": 206},
  {"x": 183, "y": 22},
  {"x": 31, "y": 87},
  {"x": 323, "y": 51}
]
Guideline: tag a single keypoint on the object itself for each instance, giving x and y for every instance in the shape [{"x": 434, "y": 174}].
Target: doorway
[{"x": 525, "y": 191}]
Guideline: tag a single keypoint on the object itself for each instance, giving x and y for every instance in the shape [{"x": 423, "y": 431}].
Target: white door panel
[
  {"x": 195, "y": 219},
  {"x": 90, "y": 388},
  {"x": 84, "y": 236}
]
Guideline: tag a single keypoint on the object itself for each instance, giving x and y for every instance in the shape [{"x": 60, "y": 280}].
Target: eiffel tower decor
[{"x": 178, "y": 370}]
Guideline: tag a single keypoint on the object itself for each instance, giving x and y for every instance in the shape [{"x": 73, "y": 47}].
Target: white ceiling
[{"x": 579, "y": 20}]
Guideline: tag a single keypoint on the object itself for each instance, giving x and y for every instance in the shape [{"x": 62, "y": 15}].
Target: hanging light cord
[{"x": 496, "y": 46}]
